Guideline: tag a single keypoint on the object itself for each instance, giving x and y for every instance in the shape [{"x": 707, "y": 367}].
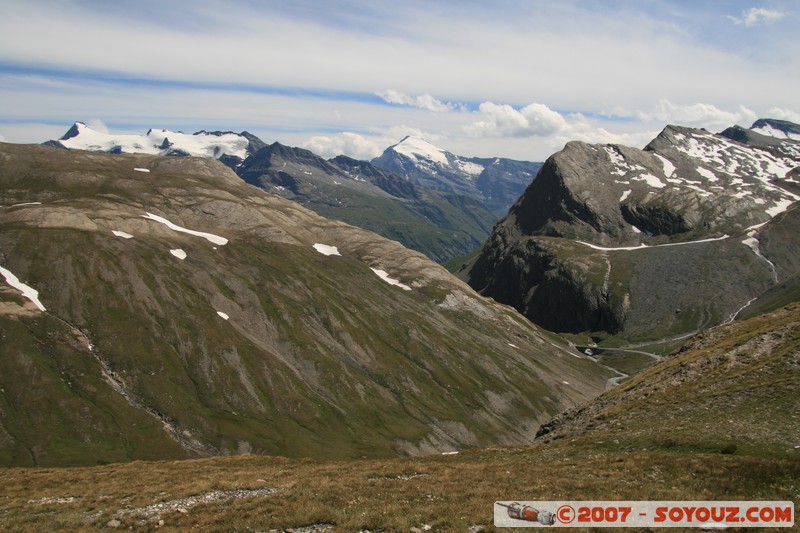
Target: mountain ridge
[
  {"x": 441, "y": 224},
  {"x": 497, "y": 182},
  {"x": 608, "y": 231}
]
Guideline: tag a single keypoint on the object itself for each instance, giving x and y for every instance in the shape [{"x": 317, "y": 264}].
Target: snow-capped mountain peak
[
  {"x": 416, "y": 148},
  {"x": 156, "y": 142},
  {"x": 779, "y": 129},
  {"x": 497, "y": 182}
]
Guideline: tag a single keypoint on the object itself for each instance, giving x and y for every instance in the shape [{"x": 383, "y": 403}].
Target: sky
[{"x": 506, "y": 78}]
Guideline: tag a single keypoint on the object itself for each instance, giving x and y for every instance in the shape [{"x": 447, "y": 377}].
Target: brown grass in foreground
[{"x": 448, "y": 493}]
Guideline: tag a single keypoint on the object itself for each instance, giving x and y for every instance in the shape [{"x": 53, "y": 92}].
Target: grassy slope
[
  {"x": 437, "y": 228},
  {"x": 319, "y": 358},
  {"x": 732, "y": 388},
  {"x": 667, "y": 434}
]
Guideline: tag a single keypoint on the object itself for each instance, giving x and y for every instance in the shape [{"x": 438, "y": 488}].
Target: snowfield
[
  {"x": 419, "y": 149},
  {"x": 216, "y": 239},
  {"x": 159, "y": 142},
  {"x": 325, "y": 249},
  {"x": 774, "y": 132},
  {"x": 180, "y": 254},
  {"x": 391, "y": 281},
  {"x": 27, "y": 291}
]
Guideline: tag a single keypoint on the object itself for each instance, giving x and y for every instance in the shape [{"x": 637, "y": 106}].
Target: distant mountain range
[
  {"x": 229, "y": 147},
  {"x": 654, "y": 243},
  {"x": 438, "y": 203},
  {"x": 496, "y": 182},
  {"x": 438, "y": 224}
]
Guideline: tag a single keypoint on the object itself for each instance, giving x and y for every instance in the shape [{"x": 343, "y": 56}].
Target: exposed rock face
[
  {"x": 645, "y": 243},
  {"x": 189, "y": 313}
]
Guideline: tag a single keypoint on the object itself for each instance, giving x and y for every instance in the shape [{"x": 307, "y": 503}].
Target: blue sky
[{"x": 510, "y": 78}]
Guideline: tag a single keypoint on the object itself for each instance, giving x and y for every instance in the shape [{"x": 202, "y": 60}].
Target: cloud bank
[{"x": 506, "y": 78}]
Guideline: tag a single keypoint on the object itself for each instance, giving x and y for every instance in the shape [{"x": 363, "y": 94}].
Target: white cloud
[
  {"x": 784, "y": 114},
  {"x": 97, "y": 125},
  {"x": 698, "y": 114},
  {"x": 318, "y": 70},
  {"x": 758, "y": 15},
  {"x": 352, "y": 144},
  {"x": 423, "y": 101},
  {"x": 364, "y": 147},
  {"x": 502, "y": 120}
]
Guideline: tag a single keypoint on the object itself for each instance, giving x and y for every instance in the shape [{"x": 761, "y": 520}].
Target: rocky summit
[
  {"x": 160, "y": 307},
  {"x": 647, "y": 244}
]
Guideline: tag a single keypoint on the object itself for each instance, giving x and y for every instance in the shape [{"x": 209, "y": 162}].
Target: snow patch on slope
[
  {"x": 325, "y": 249},
  {"x": 468, "y": 167},
  {"x": 669, "y": 168},
  {"x": 707, "y": 174},
  {"x": 391, "y": 281},
  {"x": 775, "y": 132},
  {"x": 651, "y": 180},
  {"x": 180, "y": 254},
  {"x": 723, "y": 155},
  {"x": 27, "y": 291},
  {"x": 743, "y": 172},
  {"x": 216, "y": 239}
]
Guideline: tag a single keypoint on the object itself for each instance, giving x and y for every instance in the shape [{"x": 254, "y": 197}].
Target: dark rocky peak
[
  {"x": 738, "y": 133},
  {"x": 780, "y": 137},
  {"x": 216, "y": 133},
  {"x": 299, "y": 156},
  {"x": 256, "y": 144},
  {"x": 278, "y": 158},
  {"x": 578, "y": 192},
  {"x": 73, "y": 131},
  {"x": 788, "y": 128}
]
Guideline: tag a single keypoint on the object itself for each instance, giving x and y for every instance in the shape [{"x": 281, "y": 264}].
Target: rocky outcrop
[{"x": 643, "y": 243}]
